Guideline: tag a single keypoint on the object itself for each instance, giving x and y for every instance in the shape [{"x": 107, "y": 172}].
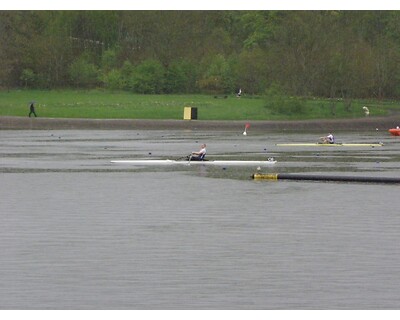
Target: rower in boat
[
  {"x": 329, "y": 139},
  {"x": 224, "y": 163},
  {"x": 198, "y": 155}
]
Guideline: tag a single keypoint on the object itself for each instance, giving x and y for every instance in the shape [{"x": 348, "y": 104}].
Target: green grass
[{"x": 100, "y": 104}]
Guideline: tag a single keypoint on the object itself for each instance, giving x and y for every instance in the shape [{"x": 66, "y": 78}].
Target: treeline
[{"x": 333, "y": 54}]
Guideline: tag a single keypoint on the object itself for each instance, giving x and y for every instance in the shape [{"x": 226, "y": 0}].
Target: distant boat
[{"x": 395, "y": 131}]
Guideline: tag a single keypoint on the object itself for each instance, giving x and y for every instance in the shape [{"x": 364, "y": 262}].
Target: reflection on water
[{"x": 78, "y": 232}]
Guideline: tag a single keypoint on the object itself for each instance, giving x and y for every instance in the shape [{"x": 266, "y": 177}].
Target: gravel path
[{"x": 367, "y": 123}]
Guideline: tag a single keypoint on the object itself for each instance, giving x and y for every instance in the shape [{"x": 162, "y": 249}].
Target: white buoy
[{"x": 245, "y": 129}]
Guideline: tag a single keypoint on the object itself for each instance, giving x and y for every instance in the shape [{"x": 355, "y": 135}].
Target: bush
[
  {"x": 148, "y": 77},
  {"x": 180, "y": 77},
  {"x": 279, "y": 103},
  {"x": 218, "y": 77},
  {"x": 83, "y": 73},
  {"x": 114, "y": 80},
  {"x": 109, "y": 60}
]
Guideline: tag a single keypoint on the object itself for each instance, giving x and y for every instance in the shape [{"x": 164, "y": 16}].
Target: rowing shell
[
  {"x": 329, "y": 144},
  {"x": 207, "y": 162}
]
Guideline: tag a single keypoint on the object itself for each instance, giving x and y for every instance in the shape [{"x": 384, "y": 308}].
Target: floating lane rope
[
  {"x": 289, "y": 176},
  {"x": 372, "y": 145}
]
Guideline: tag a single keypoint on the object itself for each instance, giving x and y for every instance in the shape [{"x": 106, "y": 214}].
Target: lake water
[{"x": 78, "y": 232}]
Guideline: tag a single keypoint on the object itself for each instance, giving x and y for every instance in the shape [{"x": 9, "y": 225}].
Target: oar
[{"x": 184, "y": 157}]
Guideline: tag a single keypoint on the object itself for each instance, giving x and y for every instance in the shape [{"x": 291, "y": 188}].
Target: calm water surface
[{"x": 78, "y": 232}]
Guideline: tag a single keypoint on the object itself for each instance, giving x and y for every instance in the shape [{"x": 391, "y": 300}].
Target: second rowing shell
[
  {"x": 152, "y": 162},
  {"x": 329, "y": 144}
]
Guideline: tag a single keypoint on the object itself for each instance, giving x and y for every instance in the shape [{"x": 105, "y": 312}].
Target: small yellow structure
[{"x": 189, "y": 113}]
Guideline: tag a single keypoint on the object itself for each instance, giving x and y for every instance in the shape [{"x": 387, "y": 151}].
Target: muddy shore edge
[{"x": 367, "y": 123}]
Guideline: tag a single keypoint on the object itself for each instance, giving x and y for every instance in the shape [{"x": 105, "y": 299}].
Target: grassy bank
[{"x": 97, "y": 104}]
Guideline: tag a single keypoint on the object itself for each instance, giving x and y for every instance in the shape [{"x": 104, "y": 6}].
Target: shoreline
[{"x": 367, "y": 123}]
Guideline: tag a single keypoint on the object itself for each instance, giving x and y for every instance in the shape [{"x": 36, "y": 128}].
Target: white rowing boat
[
  {"x": 329, "y": 144},
  {"x": 152, "y": 162}
]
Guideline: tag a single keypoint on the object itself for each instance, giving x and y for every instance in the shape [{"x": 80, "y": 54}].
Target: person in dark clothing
[{"x": 32, "y": 110}]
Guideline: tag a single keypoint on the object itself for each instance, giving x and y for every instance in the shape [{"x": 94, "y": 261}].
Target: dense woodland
[{"x": 332, "y": 54}]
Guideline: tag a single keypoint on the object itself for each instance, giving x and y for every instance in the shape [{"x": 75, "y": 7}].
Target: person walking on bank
[{"x": 32, "y": 110}]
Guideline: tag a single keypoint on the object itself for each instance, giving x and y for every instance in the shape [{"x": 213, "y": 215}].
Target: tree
[
  {"x": 309, "y": 53},
  {"x": 253, "y": 71},
  {"x": 7, "y": 49},
  {"x": 218, "y": 76},
  {"x": 148, "y": 77},
  {"x": 83, "y": 73},
  {"x": 280, "y": 103},
  {"x": 28, "y": 77},
  {"x": 109, "y": 60},
  {"x": 180, "y": 77}
]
